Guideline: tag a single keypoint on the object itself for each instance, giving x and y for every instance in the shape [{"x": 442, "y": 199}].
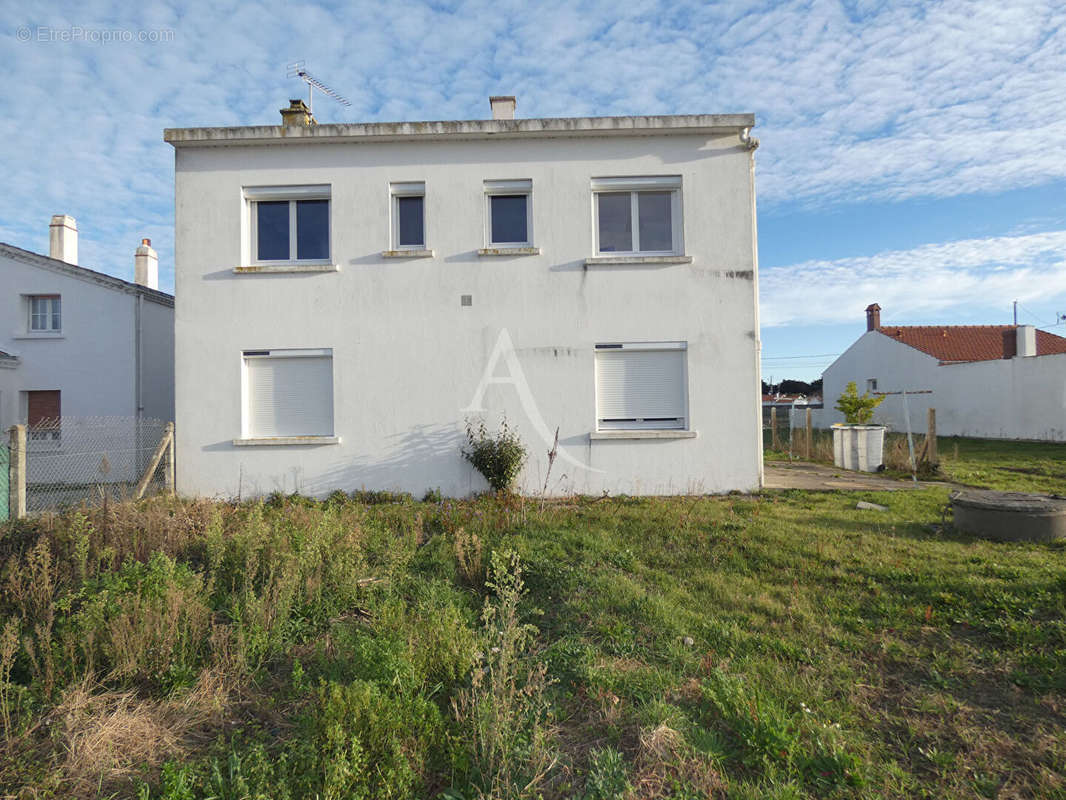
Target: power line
[{"x": 812, "y": 355}]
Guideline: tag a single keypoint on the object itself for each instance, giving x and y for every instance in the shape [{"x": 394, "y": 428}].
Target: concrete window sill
[
  {"x": 412, "y": 253},
  {"x": 41, "y": 335},
  {"x": 643, "y": 434},
  {"x": 257, "y": 269},
  {"x": 621, "y": 261},
  {"x": 509, "y": 251},
  {"x": 286, "y": 440}
]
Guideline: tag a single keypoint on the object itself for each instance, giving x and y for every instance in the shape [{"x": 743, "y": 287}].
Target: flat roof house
[{"x": 353, "y": 294}]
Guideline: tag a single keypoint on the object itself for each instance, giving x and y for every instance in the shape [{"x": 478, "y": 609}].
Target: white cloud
[
  {"x": 918, "y": 285},
  {"x": 855, "y": 101}
]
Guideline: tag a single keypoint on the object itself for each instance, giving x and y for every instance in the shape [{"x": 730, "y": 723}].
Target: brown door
[{"x": 43, "y": 414}]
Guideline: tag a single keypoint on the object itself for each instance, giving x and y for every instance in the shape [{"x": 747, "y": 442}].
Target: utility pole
[{"x": 1015, "y": 313}]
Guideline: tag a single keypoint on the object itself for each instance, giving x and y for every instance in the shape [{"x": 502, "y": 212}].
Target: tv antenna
[{"x": 296, "y": 70}]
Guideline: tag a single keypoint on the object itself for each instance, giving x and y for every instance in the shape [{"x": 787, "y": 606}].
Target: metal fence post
[
  {"x": 808, "y": 433},
  {"x": 773, "y": 428},
  {"x": 930, "y": 437},
  {"x": 168, "y": 476},
  {"x": 17, "y": 481}
]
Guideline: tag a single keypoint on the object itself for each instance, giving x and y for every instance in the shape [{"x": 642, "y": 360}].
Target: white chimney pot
[
  {"x": 63, "y": 238},
  {"x": 1026, "y": 341},
  {"x": 503, "y": 106},
  {"x": 146, "y": 265}
]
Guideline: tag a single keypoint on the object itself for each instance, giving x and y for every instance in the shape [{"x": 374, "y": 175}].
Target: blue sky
[{"x": 912, "y": 154}]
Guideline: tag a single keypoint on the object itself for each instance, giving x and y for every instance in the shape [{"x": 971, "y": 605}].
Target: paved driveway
[{"x": 804, "y": 475}]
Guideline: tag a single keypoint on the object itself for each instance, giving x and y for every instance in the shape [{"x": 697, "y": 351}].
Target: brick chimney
[
  {"x": 63, "y": 239},
  {"x": 297, "y": 115},
  {"x": 503, "y": 106},
  {"x": 146, "y": 265},
  {"x": 873, "y": 317}
]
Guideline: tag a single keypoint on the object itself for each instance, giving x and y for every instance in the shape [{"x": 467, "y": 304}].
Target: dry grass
[
  {"x": 665, "y": 761},
  {"x": 105, "y": 739}
]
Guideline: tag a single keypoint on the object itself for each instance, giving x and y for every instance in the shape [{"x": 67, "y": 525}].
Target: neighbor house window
[
  {"x": 638, "y": 216},
  {"x": 510, "y": 213},
  {"x": 43, "y": 414},
  {"x": 288, "y": 393},
  {"x": 641, "y": 386},
  {"x": 871, "y": 384},
  {"x": 45, "y": 313},
  {"x": 408, "y": 216},
  {"x": 289, "y": 223}
]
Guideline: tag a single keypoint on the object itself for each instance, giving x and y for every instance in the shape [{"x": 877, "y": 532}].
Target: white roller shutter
[
  {"x": 640, "y": 387},
  {"x": 289, "y": 395}
]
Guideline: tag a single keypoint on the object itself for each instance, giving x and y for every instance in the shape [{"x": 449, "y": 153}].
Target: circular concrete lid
[{"x": 1019, "y": 502}]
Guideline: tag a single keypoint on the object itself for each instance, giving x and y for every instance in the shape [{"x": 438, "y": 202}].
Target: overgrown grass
[{"x": 780, "y": 646}]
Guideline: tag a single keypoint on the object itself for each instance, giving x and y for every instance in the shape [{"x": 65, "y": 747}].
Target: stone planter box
[{"x": 859, "y": 447}]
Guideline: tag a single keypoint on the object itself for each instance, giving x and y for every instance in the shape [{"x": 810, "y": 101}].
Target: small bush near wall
[{"x": 497, "y": 456}]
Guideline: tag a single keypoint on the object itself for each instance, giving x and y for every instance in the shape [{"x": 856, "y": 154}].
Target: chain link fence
[{"x": 78, "y": 460}]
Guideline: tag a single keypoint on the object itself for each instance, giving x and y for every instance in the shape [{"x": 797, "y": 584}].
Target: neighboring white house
[
  {"x": 79, "y": 343},
  {"x": 352, "y": 294},
  {"x": 988, "y": 381}
]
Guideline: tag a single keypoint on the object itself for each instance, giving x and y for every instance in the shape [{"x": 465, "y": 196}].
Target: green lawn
[
  {"x": 779, "y": 646},
  {"x": 984, "y": 463}
]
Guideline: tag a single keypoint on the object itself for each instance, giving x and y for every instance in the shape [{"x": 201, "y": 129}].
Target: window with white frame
[
  {"x": 637, "y": 216},
  {"x": 641, "y": 386},
  {"x": 408, "y": 216},
  {"x": 46, "y": 315},
  {"x": 871, "y": 384},
  {"x": 289, "y": 223},
  {"x": 510, "y": 213},
  {"x": 288, "y": 393}
]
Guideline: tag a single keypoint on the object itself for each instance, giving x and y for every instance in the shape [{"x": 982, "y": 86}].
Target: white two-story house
[
  {"x": 351, "y": 295},
  {"x": 77, "y": 343}
]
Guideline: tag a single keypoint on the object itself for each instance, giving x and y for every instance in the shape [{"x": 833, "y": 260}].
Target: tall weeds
[{"x": 504, "y": 710}]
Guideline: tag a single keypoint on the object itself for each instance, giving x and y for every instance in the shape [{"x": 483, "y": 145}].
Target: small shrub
[
  {"x": 608, "y": 777},
  {"x": 433, "y": 496},
  {"x": 497, "y": 456},
  {"x": 857, "y": 409}
]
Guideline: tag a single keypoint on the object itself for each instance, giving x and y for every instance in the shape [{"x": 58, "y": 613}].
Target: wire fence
[
  {"x": 785, "y": 431},
  {"x": 78, "y": 460}
]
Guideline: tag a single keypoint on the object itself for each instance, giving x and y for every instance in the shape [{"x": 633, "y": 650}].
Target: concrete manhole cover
[{"x": 1010, "y": 516}]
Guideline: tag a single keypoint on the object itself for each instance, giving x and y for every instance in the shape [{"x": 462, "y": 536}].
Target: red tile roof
[{"x": 955, "y": 343}]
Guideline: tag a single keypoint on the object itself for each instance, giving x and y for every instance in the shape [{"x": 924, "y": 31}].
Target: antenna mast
[{"x": 297, "y": 70}]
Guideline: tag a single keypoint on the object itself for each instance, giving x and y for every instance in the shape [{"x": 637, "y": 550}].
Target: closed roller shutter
[
  {"x": 640, "y": 388},
  {"x": 290, "y": 395}
]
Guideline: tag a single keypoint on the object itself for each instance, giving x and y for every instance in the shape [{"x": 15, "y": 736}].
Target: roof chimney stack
[
  {"x": 503, "y": 106},
  {"x": 297, "y": 115},
  {"x": 1026, "y": 341},
  {"x": 873, "y": 317},
  {"x": 63, "y": 239},
  {"x": 146, "y": 265}
]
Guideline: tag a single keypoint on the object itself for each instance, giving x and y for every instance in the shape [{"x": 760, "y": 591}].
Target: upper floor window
[
  {"x": 510, "y": 213},
  {"x": 289, "y": 223},
  {"x": 408, "y": 216},
  {"x": 638, "y": 216},
  {"x": 45, "y": 313}
]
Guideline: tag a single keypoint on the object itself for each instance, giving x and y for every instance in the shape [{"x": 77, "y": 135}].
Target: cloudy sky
[{"x": 913, "y": 154}]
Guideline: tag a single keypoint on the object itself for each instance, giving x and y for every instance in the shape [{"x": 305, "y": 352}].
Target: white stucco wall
[
  {"x": 93, "y": 361},
  {"x": 408, "y": 357},
  {"x": 1016, "y": 398}
]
